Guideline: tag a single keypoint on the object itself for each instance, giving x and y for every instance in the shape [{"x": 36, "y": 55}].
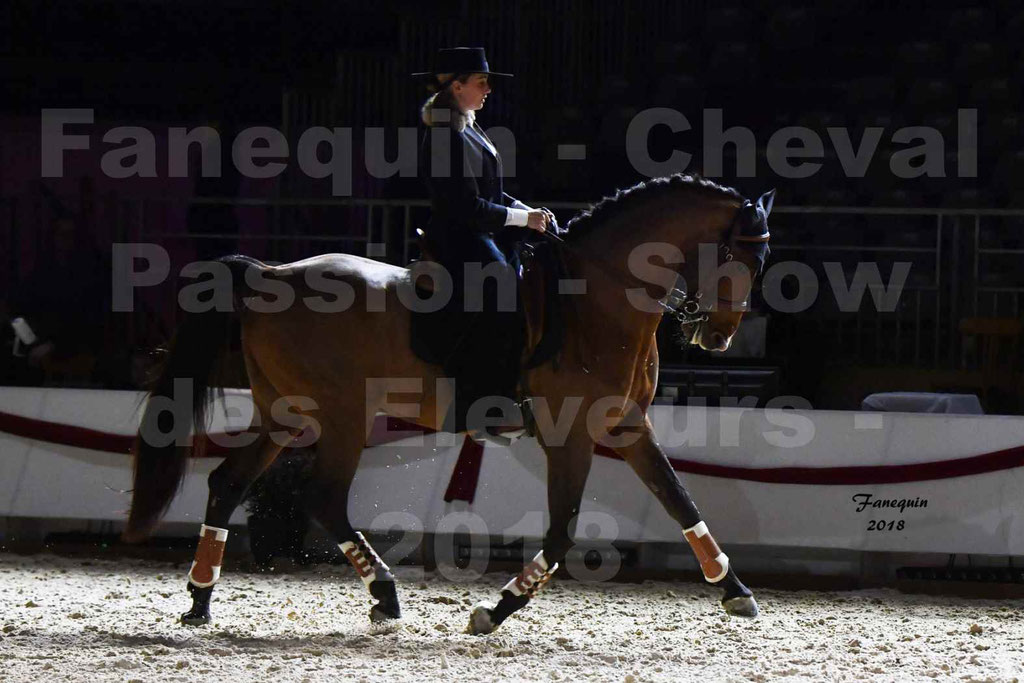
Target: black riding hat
[{"x": 461, "y": 60}]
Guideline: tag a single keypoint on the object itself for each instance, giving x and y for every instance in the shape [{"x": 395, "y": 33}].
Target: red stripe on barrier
[
  {"x": 853, "y": 476},
  {"x": 89, "y": 439},
  {"x": 65, "y": 435},
  {"x": 388, "y": 429}
]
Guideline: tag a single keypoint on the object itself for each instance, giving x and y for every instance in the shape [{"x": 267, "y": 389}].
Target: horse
[{"x": 629, "y": 250}]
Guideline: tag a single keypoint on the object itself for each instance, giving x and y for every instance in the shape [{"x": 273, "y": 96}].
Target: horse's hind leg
[
  {"x": 228, "y": 484},
  {"x": 651, "y": 464},
  {"x": 338, "y": 451},
  {"x": 568, "y": 467}
]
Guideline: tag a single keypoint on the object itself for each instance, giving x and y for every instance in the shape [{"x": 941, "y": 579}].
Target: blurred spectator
[{"x": 64, "y": 302}]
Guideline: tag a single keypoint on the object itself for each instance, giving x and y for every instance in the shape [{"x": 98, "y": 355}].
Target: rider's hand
[
  {"x": 537, "y": 220},
  {"x": 552, "y": 222}
]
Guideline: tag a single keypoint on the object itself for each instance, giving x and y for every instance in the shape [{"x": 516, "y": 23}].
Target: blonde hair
[{"x": 434, "y": 86}]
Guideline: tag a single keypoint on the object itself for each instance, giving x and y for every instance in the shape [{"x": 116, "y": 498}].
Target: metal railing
[{"x": 954, "y": 254}]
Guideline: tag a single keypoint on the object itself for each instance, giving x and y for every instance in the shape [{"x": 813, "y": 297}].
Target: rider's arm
[{"x": 518, "y": 212}]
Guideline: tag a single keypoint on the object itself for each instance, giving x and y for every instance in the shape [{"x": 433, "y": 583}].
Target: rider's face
[{"x": 472, "y": 94}]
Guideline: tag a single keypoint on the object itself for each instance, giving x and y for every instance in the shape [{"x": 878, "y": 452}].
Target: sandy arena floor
[{"x": 69, "y": 619}]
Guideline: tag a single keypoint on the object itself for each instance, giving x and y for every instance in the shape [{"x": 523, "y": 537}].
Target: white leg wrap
[
  {"x": 205, "y": 570},
  {"x": 699, "y": 529},
  {"x": 532, "y": 578},
  {"x": 221, "y": 535},
  {"x": 366, "y": 566},
  {"x": 713, "y": 562},
  {"x": 203, "y": 584},
  {"x": 723, "y": 561}
]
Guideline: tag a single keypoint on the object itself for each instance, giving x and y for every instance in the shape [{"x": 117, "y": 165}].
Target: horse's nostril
[{"x": 718, "y": 340}]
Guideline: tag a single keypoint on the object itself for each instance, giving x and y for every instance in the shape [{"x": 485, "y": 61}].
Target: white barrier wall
[{"x": 402, "y": 483}]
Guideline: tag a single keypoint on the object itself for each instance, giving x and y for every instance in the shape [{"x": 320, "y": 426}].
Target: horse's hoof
[
  {"x": 480, "y": 621},
  {"x": 195, "y": 618},
  {"x": 379, "y": 615},
  {"x": 199, "y": 615},
  {"x": 743, "y": 606},
  {"x": 387, "y": 607}
]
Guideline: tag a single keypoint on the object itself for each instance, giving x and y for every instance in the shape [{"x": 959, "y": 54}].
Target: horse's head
[{"x": 741, "y": 253}]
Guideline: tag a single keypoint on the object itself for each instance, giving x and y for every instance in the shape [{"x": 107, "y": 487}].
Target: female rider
[{"x": 474, "y": 228}]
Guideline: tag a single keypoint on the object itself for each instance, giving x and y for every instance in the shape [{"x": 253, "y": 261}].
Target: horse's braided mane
[{"x": 597, "y": 214}]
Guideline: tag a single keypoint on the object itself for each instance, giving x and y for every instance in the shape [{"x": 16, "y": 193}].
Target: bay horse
[{"x": 323, "y": 365}]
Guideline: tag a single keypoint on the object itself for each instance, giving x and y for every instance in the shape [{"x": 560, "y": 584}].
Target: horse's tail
[{"x": 162, "y": 448}]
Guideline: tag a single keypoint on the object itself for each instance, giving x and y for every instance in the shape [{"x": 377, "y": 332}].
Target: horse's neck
[
  {"x": 605, "y": 306},
  {"x": 606, "y": 254},
  {"x": 603, "y": 258}
]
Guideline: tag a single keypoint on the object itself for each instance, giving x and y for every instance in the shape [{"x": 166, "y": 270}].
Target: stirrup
[
  {"x": 506, "y": 439},
  {"x": 526, "y": 410}
]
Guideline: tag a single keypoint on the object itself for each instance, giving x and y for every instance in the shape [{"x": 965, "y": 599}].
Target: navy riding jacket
[{"x": 469, "y": 207}]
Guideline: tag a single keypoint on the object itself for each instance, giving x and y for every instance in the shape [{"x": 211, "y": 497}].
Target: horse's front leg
[
  {"x": 337, "y": 459},
  {"x": 651, "y": 464},
  {"x": 568, "y": 467}
]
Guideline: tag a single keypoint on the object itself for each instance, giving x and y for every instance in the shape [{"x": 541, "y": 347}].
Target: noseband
[{"x": 753, "y": 229}]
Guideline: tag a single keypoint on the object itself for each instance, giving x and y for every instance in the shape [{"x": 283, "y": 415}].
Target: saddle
[{"x": 539, "y": 310}]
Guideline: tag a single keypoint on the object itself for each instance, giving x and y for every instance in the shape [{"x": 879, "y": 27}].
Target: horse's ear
[{"x": 765, "y": 201}]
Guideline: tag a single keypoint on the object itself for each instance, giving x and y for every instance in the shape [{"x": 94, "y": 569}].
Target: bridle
[{"x": 685, "y": 305}]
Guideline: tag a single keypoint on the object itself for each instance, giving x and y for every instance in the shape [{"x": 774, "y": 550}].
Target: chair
[
  {"x": 1006, "y": 133},
  {"x": 973, "y": 23},
  {"x": 727, "y": 21},
  {"x": 1008, "y": 175},
  {"x": 968, "y": 198},
  {"x": 676, "y": 91},
  {"x": 77, "y": 370},
  {"x": 733, "y": 63},
  {"x": 1012, "y": 27},
  {"x": 974, "y": 59},
  {"x": 820, "y": 120},
  {"x": 990, "y": 358},
  {"x": 876, "y": 92},
  {"x": 677, "y": 58},
  {"x": 614, "y": 124},
  {"x": 920, "y": 58},
  {"x": 943, "y": 121},
  {"x": 791, "y": 28},
  {"x": 995, "y": 94},
  {"x": 614, "y": 90},
  {"x": 928, "y": 95}
]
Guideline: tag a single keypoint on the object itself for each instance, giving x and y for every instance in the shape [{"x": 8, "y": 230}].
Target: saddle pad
[{"x": 434, "y": 335}]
